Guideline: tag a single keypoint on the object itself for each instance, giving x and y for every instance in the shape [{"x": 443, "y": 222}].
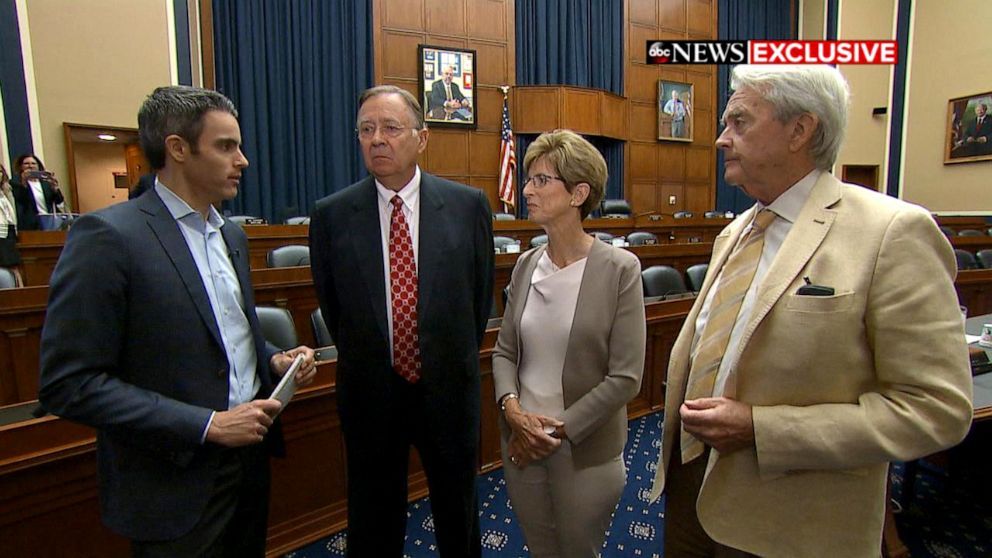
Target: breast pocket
[{"x": 820, "y": 304}]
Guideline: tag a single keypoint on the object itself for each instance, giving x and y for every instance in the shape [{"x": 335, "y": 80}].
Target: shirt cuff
[{"x": 203, "y": 437}]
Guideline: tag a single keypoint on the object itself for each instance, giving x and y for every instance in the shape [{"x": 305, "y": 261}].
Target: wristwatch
[{"x": 504, "y": 399}]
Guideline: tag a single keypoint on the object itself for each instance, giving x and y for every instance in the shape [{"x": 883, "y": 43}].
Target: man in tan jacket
[{"x": 826, "y": 342}]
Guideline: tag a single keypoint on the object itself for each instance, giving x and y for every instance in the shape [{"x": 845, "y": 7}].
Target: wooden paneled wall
[
  {"x": 657, "y": 170},
  {"x": 486, "y": 26}
]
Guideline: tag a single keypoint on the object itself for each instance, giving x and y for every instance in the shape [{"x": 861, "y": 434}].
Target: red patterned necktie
[{"x": 403, "y": 285}]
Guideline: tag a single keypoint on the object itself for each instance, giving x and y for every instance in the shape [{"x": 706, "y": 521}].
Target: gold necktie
[{"x": 711, "y": 346}]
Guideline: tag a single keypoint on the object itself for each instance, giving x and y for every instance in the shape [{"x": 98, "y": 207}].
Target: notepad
[{"x": 287, "y": 385}]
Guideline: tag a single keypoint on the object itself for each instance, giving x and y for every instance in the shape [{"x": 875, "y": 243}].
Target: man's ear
[
  {"x": 803, "y": 130},
  {"x": 422, "y": 137},
  {"x": 177, "y": 148}
]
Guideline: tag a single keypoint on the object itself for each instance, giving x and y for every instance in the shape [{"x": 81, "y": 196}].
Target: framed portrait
[
  {"x": 675, "y": 116},
  {"x": 447, "y": 89},
  {"x": 969, "y": 129}
]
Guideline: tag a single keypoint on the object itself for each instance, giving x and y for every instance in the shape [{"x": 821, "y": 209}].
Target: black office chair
[
  {"x": 948, "y": 231},
  {"x": 538, "y": 240},
  {"x": 504, "y": 217},
  {"x": 292, "y": 255},
  {"x": 506, "y": 297},
  {"x": 500, "y": 242},
  {"x": 277, "y": 327},
  {"x": 615, "y": 208},
  {"x": 970, "y": 232},
  {"x": 713, "y": 215},
  {"x": 662, "y": 280},
  {"x": 695, "y": 275},
  {"x": 321, "y": 335},
  {"x": 641, "y": 238},
  {"x": 604, "y": 236},
  {"x": 240, "y": 219},
  {"x": 7, "y": 279},
  {"x": 298, "y": 221},
  {"x": 966, "y": 260},
  {"x": 683, "y": 215},
  {"x": 984, "y": 258}
]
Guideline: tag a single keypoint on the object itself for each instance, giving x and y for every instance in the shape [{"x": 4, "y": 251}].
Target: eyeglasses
[
  {"x": 541, "y": 180},
  {"x": 366, "y": 131}
]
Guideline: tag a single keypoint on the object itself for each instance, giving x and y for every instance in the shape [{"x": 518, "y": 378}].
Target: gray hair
[
  {"x": 794, "y": 90},
  {"x": 408, "y": 98},
  {"x": 176, "y": 110}
]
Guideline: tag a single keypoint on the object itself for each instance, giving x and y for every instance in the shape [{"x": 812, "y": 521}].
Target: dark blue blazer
[
  {"x": 455, "y": 281},
  {"x": 130, "y": 347}
]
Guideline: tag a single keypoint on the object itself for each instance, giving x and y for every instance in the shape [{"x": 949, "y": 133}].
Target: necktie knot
[
  {"x": 763, "y": 219},
  {"x": 397, "y": 202}
]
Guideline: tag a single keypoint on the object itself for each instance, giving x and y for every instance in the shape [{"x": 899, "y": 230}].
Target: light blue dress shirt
[{"x": 209, "y": 251}]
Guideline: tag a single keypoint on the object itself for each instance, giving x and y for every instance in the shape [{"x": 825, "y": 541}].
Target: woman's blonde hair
[{"x": 575, "y": 160}]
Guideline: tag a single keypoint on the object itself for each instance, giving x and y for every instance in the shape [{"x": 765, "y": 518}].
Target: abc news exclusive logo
[{"x": 772, "y": 52}]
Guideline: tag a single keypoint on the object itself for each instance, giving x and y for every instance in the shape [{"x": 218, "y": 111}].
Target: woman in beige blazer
[{"x": 569, "y": 357}]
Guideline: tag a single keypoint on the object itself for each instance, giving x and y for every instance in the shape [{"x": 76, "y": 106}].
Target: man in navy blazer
[
  {"x": 396, "y": 389},
  {"x": 151, "y": 337}
]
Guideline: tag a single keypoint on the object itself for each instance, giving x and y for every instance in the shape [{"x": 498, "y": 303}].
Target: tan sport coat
[
  {"x": 604, "y": 361},
  {"x": 840, "y": 385}
]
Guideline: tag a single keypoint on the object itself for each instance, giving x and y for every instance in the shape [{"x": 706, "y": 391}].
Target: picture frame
[
  {"x": 966, "y": 140},
  {"x": 447, "y": 86},
  {"x": 675, "y": 114}
]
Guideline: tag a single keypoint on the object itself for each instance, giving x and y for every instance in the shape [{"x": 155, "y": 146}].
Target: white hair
[{"x": 797, "y": 89}]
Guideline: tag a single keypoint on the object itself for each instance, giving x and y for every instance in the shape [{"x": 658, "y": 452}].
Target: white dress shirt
[
  {"x": 410, "y": 193},
  {"x": 786, "y": 208}
]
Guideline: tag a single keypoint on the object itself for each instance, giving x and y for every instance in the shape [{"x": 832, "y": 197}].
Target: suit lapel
[
  {"x": 590, "y": 295},
  {"x": 523, "y": 290},
  {"x": 434, "y": 237},
  {"x": 806, "y": 235},
  {"x": 167, "y": 231},
  {"x": 366, "y": 239}
]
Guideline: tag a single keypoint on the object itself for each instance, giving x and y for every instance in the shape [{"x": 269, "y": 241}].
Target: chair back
[
  {"x": 277, "y": 326},
  {"x": 948, "y": 231},
  {"x": 970, "y": 232},
  {"x": 713, "y": 215},
  {"x": 500, "y": 242},
  {"x": 683, "y": 215},
  {"x": 662, "y": 280},
  {"x": 240, "y": 219},
  {"x": 293, "y": 255},
  {"x": 7, "y": 279},
  {"x": 640, "y": 238},
  {"x": 298, "y": 221},
  {"x": 985, "y": 258},
  {"x": 504, "y": 217},
  {"x": 321, "y": 334},
  {"x": 615, "y": 208},
  {"x": 966, "y": 260},
  {"x": 695, "y": 275},
  {"x": 538, "y": 240},
  {"x": 604, "y": 236}
]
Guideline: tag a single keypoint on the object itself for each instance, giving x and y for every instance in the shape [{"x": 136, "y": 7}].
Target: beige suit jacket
[
  {"x": 604, "y": 361},
  {"x": 839, "y": 385}
]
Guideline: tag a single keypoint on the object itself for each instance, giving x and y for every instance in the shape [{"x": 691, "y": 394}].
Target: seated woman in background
[
  {"x": 9, "y": 257},
  {"x": 569, "y": 357},
  {"x": 36, "y": 191}
]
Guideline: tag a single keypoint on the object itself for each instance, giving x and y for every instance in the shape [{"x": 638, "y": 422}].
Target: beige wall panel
[
  {"x": 487, "y": 19},
  {"x": 813, "y": 14},
  {"x": 484, "y": 154},
  {"x": 88, "y": 68},
  {"x": 644, "y": 11},
  {"x": 671, "y": 160},
  {"x": 446, "y": 17},
  {"x": 700, "y": 16},
  {"x": 447, "y": 152},
  {"x": 642, "y": 196},
  {"x": 643, "y": 162},
  {"x": 643, "y": 122},
  {"x": 582, "y": 108},
  {"x": 698, "y": 163},
  {"x": 399, "y": 55},
  {"x": 95, "y": 165},
  {"x": 672, "y": 14},
  {"x": 408, "y": 14},
  {"x": 489, "y": 101},
  {"x": 642, "y": 83}
]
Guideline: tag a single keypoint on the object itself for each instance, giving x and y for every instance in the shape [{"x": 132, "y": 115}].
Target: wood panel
[
  {"x": 485, "y": 19},
  {"x": 671, "y": 161},
  {"x": 403, "y": 15},
  {"x": 400, "y": 55},
  {"x": 447, "y": 152},
  {"x": 489, "y": 100},
  {"x": 535, "y": 109},
  {"x": 671, "y": 14},
  {"x": 446, "y": 17},
  {"x": 483, "y": 154},
  {"x": 614, "y": 117},
  {"x": 643, "y": 161},
  {"x": 581, "y": 111},
  {"x": 492, "y": 63}
]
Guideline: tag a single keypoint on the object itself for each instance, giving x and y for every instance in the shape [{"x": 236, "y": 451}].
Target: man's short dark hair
[{"x": 176, "y": 110}]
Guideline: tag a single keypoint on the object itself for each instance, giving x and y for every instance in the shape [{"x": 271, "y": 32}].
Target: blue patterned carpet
[{"x": 941, "y": 521}]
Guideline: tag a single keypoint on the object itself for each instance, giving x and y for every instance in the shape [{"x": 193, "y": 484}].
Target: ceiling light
[{"x": 107, "y": 137}]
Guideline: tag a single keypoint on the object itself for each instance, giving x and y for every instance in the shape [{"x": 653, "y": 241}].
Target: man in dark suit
[
  {"x": 151, "y": 337},
  {"x": 403, "y": 268},
  {"x": 978, "y": 137},
  {"x": 447, "y": 101}
]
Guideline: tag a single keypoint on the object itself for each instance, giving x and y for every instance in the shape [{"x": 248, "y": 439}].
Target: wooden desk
[{"x": 982, "y": 396}]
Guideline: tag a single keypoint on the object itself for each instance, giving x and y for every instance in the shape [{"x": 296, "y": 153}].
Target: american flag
[{"x": 507, "y": 161}]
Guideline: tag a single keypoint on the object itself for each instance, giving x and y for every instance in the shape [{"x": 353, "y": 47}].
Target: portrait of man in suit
[
  {"x": 403, "y": 268},
  {"x": 809, "y": 360},
  {"x": 447, "y": 102},
  {"x": 151, "y": 337},
  {"x": 977, "y": 137}
]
